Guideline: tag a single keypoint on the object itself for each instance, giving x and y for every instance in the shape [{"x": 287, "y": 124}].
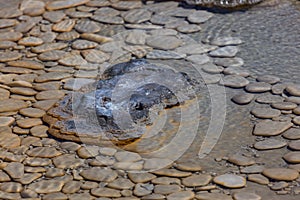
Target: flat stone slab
[
  {"x": 281, "y": 174},
  {"x": 269, "y": 144},
  {"x": 230, "y": 181}
]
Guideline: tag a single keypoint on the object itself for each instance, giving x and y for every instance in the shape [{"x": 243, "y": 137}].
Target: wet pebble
[
  {"x": 281, "y": 174},
  {"x": 243, "y": 98},
  {"x": 265, "y": 112},
  {"x": 269, "y": 144},
  {"x": 225, "y": 52},
  {"x": 271, "y": 128},
  {"x": 258, "y": 87},
  {"x": 293, "y": 90},
  {"x": 229, "y": 62},
  {"x": 224, "y": 41},
  {"x": 234, "y": 81},
  {"x": 296, "y": 120},
  {"x": 230, "y": 181},
  {"x": 268, "y": 79}
]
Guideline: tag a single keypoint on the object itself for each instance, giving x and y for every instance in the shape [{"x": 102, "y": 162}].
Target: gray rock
[{"x": 225, "y": 52}]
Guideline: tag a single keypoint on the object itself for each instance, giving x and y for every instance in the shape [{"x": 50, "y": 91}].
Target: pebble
[
  {"x": 39, "y": 131},
  {"x": 6, "y": 195},
  {"x": 10, "y": 36},
  {"x": 230, "y": 181},
  {"x": 61, "y": 4},
  {"x": 188, "y": 28},
  {"x": 136, "y": 37},
  {"x": 138, "y": 50},
  {"x": 96, "y": 38},
  {"x": 271, "y": 128},
  {"x": 55, "y": 195},
  {"x": 268, "y": 144},
  {"x": 140, "y": 177},
  {"x": 172, "y": 173},
  {"x": 197, "y": 180},
  {"x": 166, "y": 181},
  {"x": 87, "y": 26},
  {"x": 166, "y": 189},
  {"x": 29, "y": 122},
  {"x": 67, "y": 161},
  {"x": 83, "y": 44},
  {"x": 162, "y": 19},
  {"x": 292, "y": 157},
  {"x": 258, "y": 178},
  {"x": 293, "y": 99},
  {"x": 229, "y": 62},
  {"x": 234, "y": 81},
  {"x": 136, "y": 16},
  {"x": 37, "y": 162},
  {"x": 107, "y": 11},
  {"x": 164, "y": 55},
  {"x": 8, "y": 139},
  {"x": 32, "y": 112},
  {"x": 30, "y": 64},
  {"x": 243, "y": 98},
  {"x": 50, "y": 94},
  {"x": 23, "y": 91},
  {"x": 99, "y": 174},
  {"x": 10, "y": 12},
  {"x": 265, "y": 112},
  {"x": 43, "y": 152},
  {"x": 4, "y": 23},
  {"x": 72, "y": 60},
  {"x": 202, "y": 59},
  {"x": 246, "y": 196},
  {"x": 297, "y": 110},
  {"x": 54, "y": 16},
  {"x": 163, "y": 42},
  {"x": 52, "y": 55},
  {"x": 279, "y": 185},
  {"x": 15, "y": 170},
  {"x": 258, "y": 87},
  {"x": 4, "y": 94},
  {"x": 54, "y": 172},
  {"x": 7, "y": 44},
  {"x": 292, "y": 134},
  {"x": 105, "y": 192},
  {"x": 52, "y": 76},
  {"x": 296, "y": 120},
  {"x": 127, "y": 5},
  {"x": 4, "y": 177},
  {"x": 8, "y": 105},
  {"x": 224, "y": 41},
  {"x": 268, "y": 79},
  {"x": 29, "y": 177},
  {"x": 46, "y": 186},
  {"x": 293, "y": 90},
  {"x": 95, "y": 56},
  {"x": 142, "y": 189},
  {"x": 281, "y": 174},
  {"x": 129, "y": 166},
  {"x": 121, "y": 184},
  {"x": 71, "y": 187},
  {"x": 224, "y": 52},
  {"x": 295, "y": 145},
  {"x": 9, "y": 56},
  {"x": 30, "y": 41},
  {"x": 108, "y": 19},
  {"x": 64, "y": 26},
  {"x": 236, "y": 71},
  {"x": 269, "y": 99},
  {"x": 6, "y": 121},
  {"x": 213, "y": 196},
  {"x": 66, "y": 36},
  {"x": 182, "y": 195},
  {"x": 278, "y": 88},
  {"x": 49, "y": 47},
  {"x": 284, "y": 105},
  {"x": 192, "y": 49},
  {"x": 241, "y": 160},
  {"x": 199, "y": 16},
  {"x": 142, "y": 26}
]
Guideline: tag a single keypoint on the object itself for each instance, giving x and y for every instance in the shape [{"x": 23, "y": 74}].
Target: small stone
[
  {"x": 269, "y": 144},
  {"x": 196, "y": 180},
  {"x": 200, "y": 16},
  {"x": 229, "y": 62},
  {"x": 72, "y": 60},
  {"x": 211, "y": 68},
  {"x": 49, "y": 47},
  {"x": 52, "y": 76},
  {"x": 241, "y": 160},
  {"x": 99, "y": 174},
  {"x": 230, "y": 181},
  {"x": 29, "y": 122},
  {"x": 163, "y": 42},
  {"x": 164, "y": 55},
  {"x": 6, "y": 121},
  {"x": 96, "y": 38},
  {"x": 136, "y": 37},
  {"x": 172, "y": 173},
  {"x": 166, "y": 181},
  {"x": 293, "y": 99},
  {"x": 225, "y": 52},
  {"x": 243, "y": 98},
  {"x": 121, "y": 184},
  {"x": 9, "y": 56},
  {"x": 67, "y": 161},
  {"x": 65, "y": 36},
  {"x": 295, "y": 145},
  {"x": 138, "y": 50},
  {"x": 268, "y": 79},
  {"x": 108, "y": 19},
  {"x": 281, "y": 174},
  {"x": 6, "y": 195},
  {"x": 142, "y": 189},
  {"x": 95, "y": 56},
  {"x": 162, "y": 19},
  {"x": 87, "y": 26},
  {"x": 189, "y": 166},
  {"x": 10, "y": 12},
  {"x": 4, "y": 94},
  {"x": 50, "y": 94},
  {"x": 83, "y": 44},
  {"x": 292, "y": 134},
  {"x": 269, "y": 99},
  {"x": 8, "y": 139},
  {"x": 258, "y": 87},
  {"x": 15, "y": 170},
  {"x": 43, "y": 152},
  {"x": 136, "y": 16},
  {"x": 23, "y": 91},
  {"x": 4, "y": 23},
  {"x": 166, "y": 189},
  {"x": 271, "y": 128},
  {"x": 126, "y": 156},
  {"x": 154, "y": 197},
  {"x": 296, "y": 120},
  {"x": 30, "y": 41},
  {"x": 30, "y": 64},
  {"x": 32, "y": 112},
  {"x": 46, "y": 186},
  {"x": 182, "y": 195},
  {"x": 284, "y": 105},
  {"x": 105, "y": 192},
  {"x": 188, "y": 28},
  {"x": 107, "y": 11},
  {"x": 200, "y": 60},
  {"x": 55, "y": 195},
  {"x": 54, "y": 172},
  {"x": 37, "y": 162},
  {"x": 54, "y": 16},
  {"x": 7, "y": 44},
  {"x": 265, "y": 112},
  {"x": 71, "y": 187},
  {"x": 236, "y": 71},
  {"x": 28, "y": 178},
  {"x": 224, "y": 41},
  {"x": 39, "y": 131},
  {"x": 64, "y": 26},
  {"x": 246, "y": 196},
  {"x": 297, "y": 110},
  {"x": 10, "y": 36},
  {"x": 129, "y": 166},
  {"x": 8, "y": 105},
  {"x": 293, "y": 90},
  {"x": 234, "y": 81},
  {"x": 258, "y": 178},
  {"x": 278, "y": 88},
  {"x": 140, "y": 177},
  {"x": 192, "y": 49},
  {"x": 279, "y": 185},
  {"x": 4, "y": 177},
  {"x": 127, "y": 5},
  {"x": 213, "y": 196},
  {"x": 60, "y": 4},
  {"x": 292, "y": 157}
]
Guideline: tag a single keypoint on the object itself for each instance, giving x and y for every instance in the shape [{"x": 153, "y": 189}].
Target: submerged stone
[{"x": 119, "y": 107}]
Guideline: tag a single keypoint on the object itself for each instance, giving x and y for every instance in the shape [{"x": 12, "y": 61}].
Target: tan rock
[
  {"x": 281, "y": 174},
  {"x": 46, "y": 186},
  {"x": 29, "y": 122},
  {"x": 43, "y": 152}
]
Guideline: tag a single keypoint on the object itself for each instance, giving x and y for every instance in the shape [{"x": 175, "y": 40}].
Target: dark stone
[{"x": 120, "y": 105}]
